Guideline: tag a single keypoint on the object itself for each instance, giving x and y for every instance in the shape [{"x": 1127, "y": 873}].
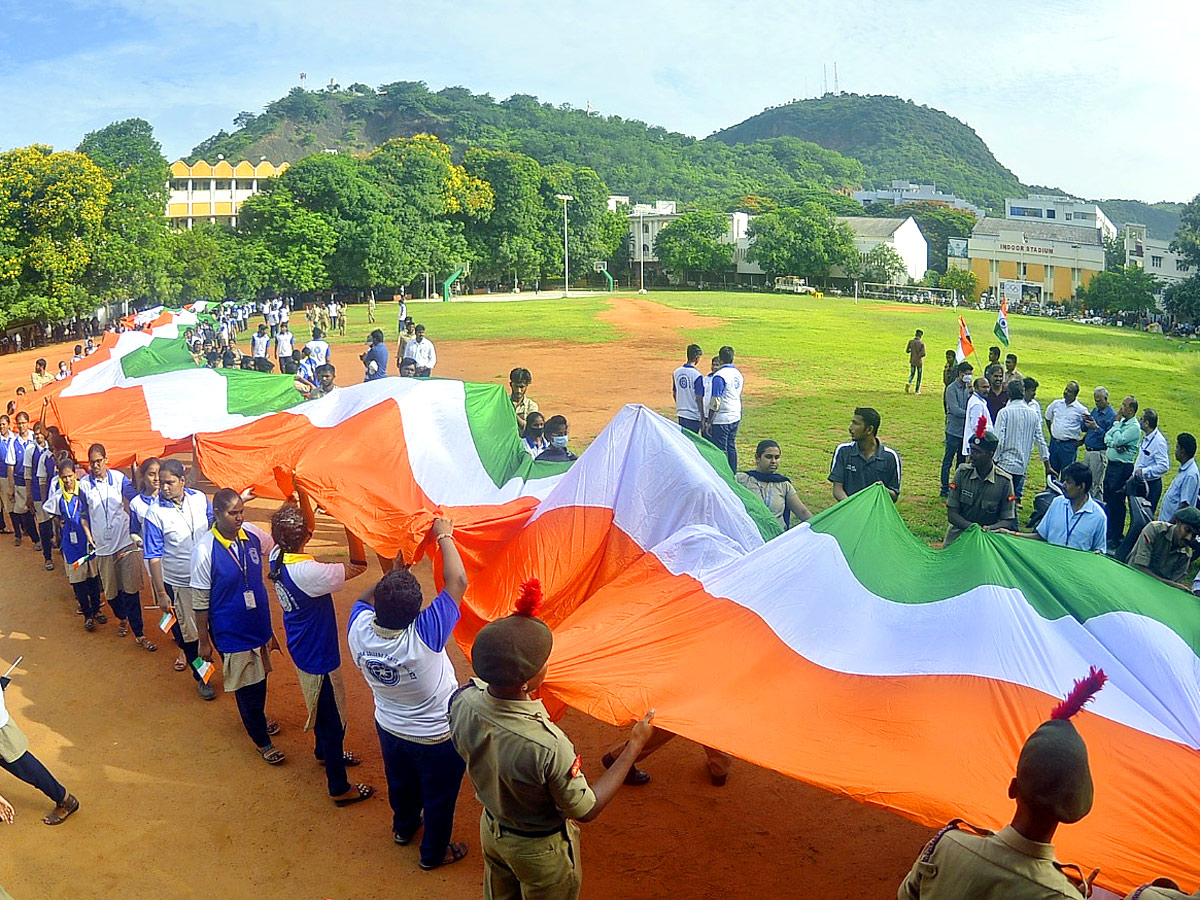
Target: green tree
[
  {"x": 51, "y": 213},
  {"x": 196, "y": 264},
  {"x": 511, "y": 239},
  {"x": 298, "y": 242},
  {"x": 692, "y": 243},
  {"x": 1128, "y": 289},
  {"x": 884, "y": 265},
  {"x": 1182, "y": 299},
  {"x": 1187, "y": 238},
  {"x": 1114, "y": 253},
  {"x": 594, "y": 231},
  {"x": 805, "y": 241},
  {"x": 964, "y": 281},
  {"x": 130, "y": 261}
]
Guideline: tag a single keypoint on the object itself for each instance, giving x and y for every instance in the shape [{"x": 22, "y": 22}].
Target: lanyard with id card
[{"x": 238, "y": 555}]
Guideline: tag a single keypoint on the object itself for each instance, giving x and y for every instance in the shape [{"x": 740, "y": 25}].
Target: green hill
[
  {"x": 893, "y": 138},
  {"x": 1161, "y": 219},
  {"x": 643, "y": 161}
]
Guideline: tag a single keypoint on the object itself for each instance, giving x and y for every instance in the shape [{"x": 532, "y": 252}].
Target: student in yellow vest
[
  {"x": 525, "y": 771},
  {"x": 1053, "y": 786}
]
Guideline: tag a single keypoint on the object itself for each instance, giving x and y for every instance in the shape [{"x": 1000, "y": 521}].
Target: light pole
[
  {"x": 565, "y": 198},
  {"x": 642, "y": 249}
]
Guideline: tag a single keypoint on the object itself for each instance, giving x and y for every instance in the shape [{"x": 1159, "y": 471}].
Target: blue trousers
[
  {"x": 31, "y": 771},
  {"x": 692, "y": 425},
  {"x": 422, "y": 777},
  {"x": 950, "y": 460},
  {"x": 725, "y": 437},
  {"x": 1062, "y": 454}
]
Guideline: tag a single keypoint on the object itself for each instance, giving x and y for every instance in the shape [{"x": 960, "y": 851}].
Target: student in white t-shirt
[
  {"x": 684, "y": 390},
  {"x": 400, "y": 649},
  {"x": 318, "y": 348}
]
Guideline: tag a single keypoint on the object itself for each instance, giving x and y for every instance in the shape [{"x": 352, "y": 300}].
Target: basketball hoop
[{"x": 600, "y": 265}]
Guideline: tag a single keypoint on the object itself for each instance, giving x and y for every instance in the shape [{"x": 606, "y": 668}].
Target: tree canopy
[
  {"x": 806, "y": 240},
  {"x": 692, "y": 243}
]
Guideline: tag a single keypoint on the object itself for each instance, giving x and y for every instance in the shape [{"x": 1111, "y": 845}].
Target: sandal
[
  {"x": 272, "y": 754},
  {"x": 405, "y": 839},
  {"x": 349, "y": 759},
  {"x": 61, "y": 812},
  {"x": 101, "y": 619},
  {"x": 123, "y": 629},
  {"x": 49, "y": 566},
  {"x": 180, "y": 665},
  {"x": 360, "y": 793},
  {"x": 89, "y": 624},
  {"x": 454, "y": 852},
  {"x": 145, "y": 644},
  {"x": 272, "y": 727}
]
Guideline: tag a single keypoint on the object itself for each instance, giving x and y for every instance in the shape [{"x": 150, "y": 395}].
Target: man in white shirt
[
  {"x": 318, "y": 348},
  {"x": 724, "y": 413},
  {"x": 285, "y": 344},
  {"x": 1153, "y": 459},
  {"x": 1066, "y": 426},
  {"x": 683, "y": 388},
  {"x": 976, "y": 407},
  {"x": 1019, "y": 428},
  {"x": 260, "y": 343},
  {"x": 420, "y": 350}
]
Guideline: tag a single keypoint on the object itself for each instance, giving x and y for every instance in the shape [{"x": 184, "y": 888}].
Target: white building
[
  {"x": 902, "y": 192},
  {"x": 1057, "y": 210},
  {"x": 646, "y": 220},
  {"x": 902, "y": 235},
  {"x": 1155, "y": 256}
]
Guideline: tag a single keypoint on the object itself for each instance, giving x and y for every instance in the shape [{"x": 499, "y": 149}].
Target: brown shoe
[{"x": 63, "y": 811}]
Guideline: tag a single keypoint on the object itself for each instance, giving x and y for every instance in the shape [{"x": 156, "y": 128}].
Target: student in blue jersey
[
  {"x": 233, "y": 613},
  {"x": 687, "y": 390},
  {"x": 70, "y": 505},
  {"x": 146, "y": 483},
  {"x": 400, "y": 649},
  {"x": 39, "y": 468},
  {"x": 176, "y": 519},
  {"x": 724, "y": 413},
  {"x": 304, "y": 588}
]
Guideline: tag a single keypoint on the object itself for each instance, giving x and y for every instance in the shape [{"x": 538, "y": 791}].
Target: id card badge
[
  {"x": 72, "y": 537},
  {"x": 251, "y": 603}
]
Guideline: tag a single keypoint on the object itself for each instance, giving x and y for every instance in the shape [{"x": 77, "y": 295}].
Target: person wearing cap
[
  {"x": 400, "y": 649},
  {"x": 525, "y": 770},
  {"x": 1164, "y": 550},
  {"x": 981, "y": 493},
  {"x": 1052, "y": 787}
]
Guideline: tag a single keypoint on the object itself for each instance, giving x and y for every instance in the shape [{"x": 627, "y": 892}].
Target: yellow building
[
  {"x": 204, "y": 193},
  {"x": 1035, "y": 260}
]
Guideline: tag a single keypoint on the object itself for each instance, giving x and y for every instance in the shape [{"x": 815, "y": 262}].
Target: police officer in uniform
[
  {"x": 1053, "y": 786},
  {"x": 524, "y": 768},
  {"x": 980, "y": 493}
]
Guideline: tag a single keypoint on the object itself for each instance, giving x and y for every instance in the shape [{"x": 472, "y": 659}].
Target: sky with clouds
[{"x": 1097, "y": 97}]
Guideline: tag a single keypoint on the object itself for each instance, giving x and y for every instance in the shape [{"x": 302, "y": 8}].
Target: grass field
[{"x": 811, "y": 361}]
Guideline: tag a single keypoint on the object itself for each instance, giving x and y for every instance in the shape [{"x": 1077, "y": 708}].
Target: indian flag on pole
[
  {"x": 965, "y": 347},
  {"x": 1001, "y": 329}
]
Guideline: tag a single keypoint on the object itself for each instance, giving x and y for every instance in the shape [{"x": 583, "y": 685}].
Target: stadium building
[{"x": 1038, "y": 261}]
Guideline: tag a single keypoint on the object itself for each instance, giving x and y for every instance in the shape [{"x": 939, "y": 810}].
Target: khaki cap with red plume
[
  {"x": 510, "y": 651},
  {"x": 1052, "y": 771}
]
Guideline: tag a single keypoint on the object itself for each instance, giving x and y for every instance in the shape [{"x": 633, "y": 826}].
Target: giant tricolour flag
[{"x": 844, "y": 653}]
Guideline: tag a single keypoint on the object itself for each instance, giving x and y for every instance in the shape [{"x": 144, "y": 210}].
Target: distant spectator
[
  {"x": 997, "y": 396},
  {"x": 1066, "y": 422},
  {"x": 916, "y": 360},
  {"x": 260, "y": 344},
  {"x": 557, "y": 436},
  {"x": 285, "y": 343},
  {"x": 1121, "y": 443},
  {"x": 993, "y": 357},
  {"x": 1186, "y": 484},
  {"x": 422, "y": 351},
  {"x": 63, "y": 371},
  {"x": 1165, "y": 549},
  {"x": 375, "y": 360},
  {"x": 775, "y": 490},
  {"x": 864, "y": 460},
  {"x": 408, "y": 334},
  {"x": 954, "y": 402},
  {"x": 533, "y": 438},
  {"x": 519, "y": 381},
  {"x": 1152, "y": 459},
  {"x": 977, "y": 408},
  {"x": 1010, "y": 370},
  {"x": 78, "y": 355},
  {"x": 1095, "y": 426},
  {"x": 950, "y": 370},
  {"x": 1074, "y": 519},
  {"x": 408, "y": 367},
  {"x": 40, "y": 377},
  {"x": 1019, "y": 429}
]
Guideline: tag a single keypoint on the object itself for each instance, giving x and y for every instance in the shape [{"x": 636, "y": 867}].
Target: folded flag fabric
[{"x": 844, "y": 653}]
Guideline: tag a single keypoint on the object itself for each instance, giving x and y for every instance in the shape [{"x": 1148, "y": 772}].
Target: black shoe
[{"x": 636, "y": 776}]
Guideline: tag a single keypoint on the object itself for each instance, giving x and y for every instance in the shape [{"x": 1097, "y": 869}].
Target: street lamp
[
  {"x": 642, "y": 248},
  {"x": 565, "y": 198}
]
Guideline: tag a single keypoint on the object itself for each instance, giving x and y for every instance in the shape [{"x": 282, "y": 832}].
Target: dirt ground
[{"x": 175, "y": 803}]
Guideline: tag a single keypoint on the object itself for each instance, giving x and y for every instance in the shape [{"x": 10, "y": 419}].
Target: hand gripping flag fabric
[{"x": 844, "y": 653}]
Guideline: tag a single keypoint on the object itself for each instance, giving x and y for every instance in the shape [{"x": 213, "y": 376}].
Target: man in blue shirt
[
  {"x": 375, "y": 360},
  {"x": 1184, "y": 488},
  {"x": 1152, "y": 459},
  {"x": 1095, "y": 426},
  {"x": 1074, "y": 520}
]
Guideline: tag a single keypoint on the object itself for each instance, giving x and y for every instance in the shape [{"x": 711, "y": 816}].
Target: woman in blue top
[
  {"x": 304, "y": 588},
  {"x": 69, "y": 505}
]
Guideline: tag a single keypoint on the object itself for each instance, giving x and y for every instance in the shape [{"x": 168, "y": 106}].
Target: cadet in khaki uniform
[
  {"x": 524, "y": 769},
  {"x": 1165, "y": 549},
  {"x": 980, "y": 493},
  {"x": 1053, "y": 786}
]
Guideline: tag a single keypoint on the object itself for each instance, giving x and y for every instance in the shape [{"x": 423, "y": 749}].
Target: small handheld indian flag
[
  {"x": 965, "y": 347},
  {"x": 82, "y": 561},
  {"x": 1001, "y": 329},
  {"x": 204, "y": 669},
  {"x": 167, "y": 622}
]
